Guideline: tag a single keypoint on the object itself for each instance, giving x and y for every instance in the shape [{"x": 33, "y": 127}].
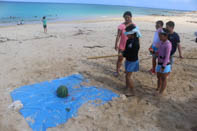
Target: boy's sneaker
[{"x": 152, "y": 71}]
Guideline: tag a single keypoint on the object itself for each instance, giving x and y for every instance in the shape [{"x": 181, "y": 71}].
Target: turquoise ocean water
[{"x": 12, "y": 12}]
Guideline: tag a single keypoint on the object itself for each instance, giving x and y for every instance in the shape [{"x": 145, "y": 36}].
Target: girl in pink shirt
[
  {"x": 163, "y": 68},
  {"x": 121, "y": 39}
]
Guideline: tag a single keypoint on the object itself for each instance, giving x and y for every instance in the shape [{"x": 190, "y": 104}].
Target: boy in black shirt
[
  {"x": 131, "y": 54},
  {"x": 174, "y": 38}
]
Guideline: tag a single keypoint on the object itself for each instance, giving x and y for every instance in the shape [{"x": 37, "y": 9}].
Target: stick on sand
[{"x": 100, "y": 57}]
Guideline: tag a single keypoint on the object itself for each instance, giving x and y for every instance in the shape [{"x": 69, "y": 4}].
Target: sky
[{"x": 166, "y": 4}]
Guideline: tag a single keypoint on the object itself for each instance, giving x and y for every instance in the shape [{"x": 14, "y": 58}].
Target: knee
[
  {"x": 158, "y": 76},
  {"x": 120, "y": 58},
  {"x": 128, "y": 75},
  {"x": 163, "y": 78}
]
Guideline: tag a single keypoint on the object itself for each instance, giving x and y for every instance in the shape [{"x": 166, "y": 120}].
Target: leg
[
  {"x": 154, "y": 63},
  {"x": 129, "y": 84},
  {"x": 171, "y": 61},
  {"x": 119, "y": 64},
  {"x": 158, "y": 81},
  {"x": 164, "y": 82}
]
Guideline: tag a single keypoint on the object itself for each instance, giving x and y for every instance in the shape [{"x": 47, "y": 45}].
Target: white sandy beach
[{"x": 29, "y": 56}]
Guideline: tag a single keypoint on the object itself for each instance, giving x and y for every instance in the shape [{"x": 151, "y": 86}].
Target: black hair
[
  {"x": 43, "y": 17},
  {"x": 160, "y": 22},
  {"x": 130, "y": 27},
  {"x": 165, "y": 32},
  {"x": 171, "y": 24},
  {"x": 127, "y": 13}
]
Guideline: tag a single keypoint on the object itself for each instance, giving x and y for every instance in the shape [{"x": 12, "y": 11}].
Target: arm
[
  {"x": 117, "y": 39},
  {"x": 157, "y": 46},
  {"x": 180, "y": 51}
]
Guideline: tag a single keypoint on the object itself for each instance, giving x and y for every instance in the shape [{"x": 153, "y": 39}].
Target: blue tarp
[{"x": 43, "y": 109}]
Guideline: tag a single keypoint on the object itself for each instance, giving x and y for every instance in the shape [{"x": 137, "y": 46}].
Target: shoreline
[
  {"x": 99, "y": 18},
  {"x": 151, "y": 18}
]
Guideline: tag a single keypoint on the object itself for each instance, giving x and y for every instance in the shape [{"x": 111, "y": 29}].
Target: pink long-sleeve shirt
[
  {"x": 123, "y": 38},
  {"x": 164, "y": 52}
]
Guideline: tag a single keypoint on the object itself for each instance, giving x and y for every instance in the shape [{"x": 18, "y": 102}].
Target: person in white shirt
[{"x": 153, "y": 48}]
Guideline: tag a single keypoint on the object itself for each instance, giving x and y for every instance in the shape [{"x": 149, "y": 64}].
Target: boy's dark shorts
[{"x": 45, "y": 26}]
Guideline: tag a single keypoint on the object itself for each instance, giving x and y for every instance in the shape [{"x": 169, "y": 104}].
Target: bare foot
[
  {"x": 157, "y": 94},
  {"x": 157, "y": 89},
  {"x": 130, "y": 92}
]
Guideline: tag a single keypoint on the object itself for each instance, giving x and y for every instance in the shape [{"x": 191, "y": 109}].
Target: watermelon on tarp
[
  {"x": 62, "y": 91},
  {"x": 43, "y": 109}
]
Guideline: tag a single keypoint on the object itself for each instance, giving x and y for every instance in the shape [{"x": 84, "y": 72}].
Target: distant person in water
[
  {"x": 196, "y": 36},
  {"x": 153, "y": 48},
  {"x": 21, "y": 22},
  {"x": 121, "y": 39},
  {"x": 44, "y": 21}
]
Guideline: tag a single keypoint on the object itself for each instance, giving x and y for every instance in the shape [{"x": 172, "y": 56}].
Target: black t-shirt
[
  {"x": 132, "y": 49},
  {"x": 175, "y": 40}
]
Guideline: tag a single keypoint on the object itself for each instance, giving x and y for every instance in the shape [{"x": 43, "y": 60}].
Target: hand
[
  {"x": 162, "y": 69},
  {"x": 151, "y": 50},
  {"x": 116, "y": 47},
  {"x": 157, "y": 54}
]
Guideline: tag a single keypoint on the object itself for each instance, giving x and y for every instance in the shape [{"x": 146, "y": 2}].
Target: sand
[{"x": 28, "y": 56}]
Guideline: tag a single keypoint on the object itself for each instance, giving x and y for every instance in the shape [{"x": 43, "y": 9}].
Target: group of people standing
[{"x": 165, "y": 43}]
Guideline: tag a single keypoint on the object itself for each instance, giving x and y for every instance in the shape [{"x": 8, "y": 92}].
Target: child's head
[
  {"x": 127, "y": 16},
  {"x": 129, "y": 33},
  {"x": 170, "y": 26},
  {"x": 43, "y": 17},
  {"x": 163, "y": 35},
  {"x": 159, "y": 24}
]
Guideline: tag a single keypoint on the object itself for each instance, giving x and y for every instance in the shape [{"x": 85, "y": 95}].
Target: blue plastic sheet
[{"x": 43, "y": 109}]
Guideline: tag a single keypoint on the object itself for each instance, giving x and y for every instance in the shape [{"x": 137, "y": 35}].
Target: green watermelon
[{"x": 62, "y": 91}]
